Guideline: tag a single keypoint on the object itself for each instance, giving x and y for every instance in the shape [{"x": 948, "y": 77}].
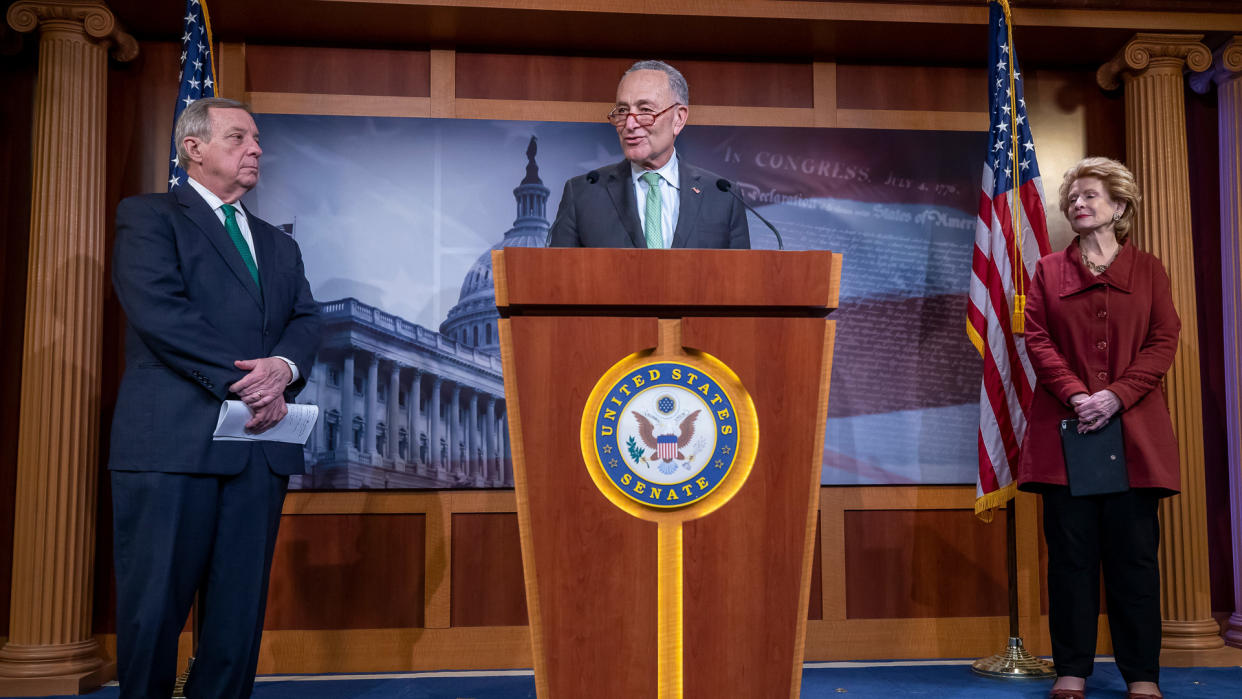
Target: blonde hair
[{"x": 1119, "y": 182}]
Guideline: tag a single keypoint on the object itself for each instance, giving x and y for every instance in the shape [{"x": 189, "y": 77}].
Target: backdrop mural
[{"x": 396, "y": 219}]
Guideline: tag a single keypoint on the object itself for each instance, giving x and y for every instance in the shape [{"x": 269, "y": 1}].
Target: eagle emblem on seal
[{"x": 667, "y": 446}]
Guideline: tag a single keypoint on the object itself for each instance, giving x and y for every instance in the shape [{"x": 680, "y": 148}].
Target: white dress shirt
[
  {"x": 670, "y": 197},
  {"x": 215, "y": 203}
]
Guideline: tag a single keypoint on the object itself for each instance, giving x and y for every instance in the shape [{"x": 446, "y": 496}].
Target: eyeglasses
[{"x": 619, "y": 116}]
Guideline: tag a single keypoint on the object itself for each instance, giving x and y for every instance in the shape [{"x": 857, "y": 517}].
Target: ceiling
[{"x": 1053, "y": 33}]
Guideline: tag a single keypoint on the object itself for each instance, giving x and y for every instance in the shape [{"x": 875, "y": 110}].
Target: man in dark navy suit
[
  {"x": 652, "y": 199},
  {"x": 218, "y": 308}
]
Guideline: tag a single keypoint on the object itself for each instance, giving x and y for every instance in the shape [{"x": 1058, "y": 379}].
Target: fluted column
[
  {"x": 1152, "y": 67},
  {"x": 346, "y": 438},
  {"x": 412, "y": 413},
  {"x": 50, "y": 649},
  {"x": 1225, "y": 73},
  {"x": 433, "y": 426},
  {"x": 506, "y": 460},
  {"x": 394, "y": 416},
  {"x": 372, "y": 405},
  {"x": 489, "y": 442},
  {"x": 454, "y": 459},
  {"x": 474, "y": 465}
]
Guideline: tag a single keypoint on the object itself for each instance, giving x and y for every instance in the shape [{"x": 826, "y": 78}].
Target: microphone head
[
  {"x": 723, "y": 185},
  {"x": 592, "y": 177}
]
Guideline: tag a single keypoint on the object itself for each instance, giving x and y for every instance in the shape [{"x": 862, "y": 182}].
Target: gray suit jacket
[{"x": 604, "y": 213}]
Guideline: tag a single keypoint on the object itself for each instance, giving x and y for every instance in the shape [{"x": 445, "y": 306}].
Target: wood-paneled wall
[
  {"x": 414, "y": 580},
  {"x": 17, "y": 74}
]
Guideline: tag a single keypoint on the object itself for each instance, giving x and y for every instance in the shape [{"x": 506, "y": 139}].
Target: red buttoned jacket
[{"x": 1085, "y": 333}]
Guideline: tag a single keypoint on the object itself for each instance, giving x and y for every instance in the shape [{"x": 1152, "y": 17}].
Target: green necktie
[
  {"x": 230, "y": 225},
  {"x": 651, "y": 227}
]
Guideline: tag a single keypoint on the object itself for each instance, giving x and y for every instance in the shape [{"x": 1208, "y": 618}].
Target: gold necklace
[{"x": 1098, "y": 269}]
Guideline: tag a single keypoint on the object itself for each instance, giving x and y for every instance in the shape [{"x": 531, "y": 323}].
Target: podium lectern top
[{"x": 665, "y": 282}]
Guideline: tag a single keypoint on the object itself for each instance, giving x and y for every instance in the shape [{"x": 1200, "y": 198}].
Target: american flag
[
  {"x": 198, "y": 75},
  {"x": 1002, "y": 268}
]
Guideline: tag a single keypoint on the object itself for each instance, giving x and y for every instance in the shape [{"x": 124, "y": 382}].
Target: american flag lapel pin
[{"x": 695, "y": 190}]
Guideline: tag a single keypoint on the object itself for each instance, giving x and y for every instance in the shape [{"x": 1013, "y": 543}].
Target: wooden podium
[{"x": 633, "y": 591}]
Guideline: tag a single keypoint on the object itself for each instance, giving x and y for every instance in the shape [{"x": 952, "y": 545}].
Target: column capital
[
  {"x": 1226, "y": 65},
  {"x": 94, "y": 17},
  {"x": 1146, "y": 50}
]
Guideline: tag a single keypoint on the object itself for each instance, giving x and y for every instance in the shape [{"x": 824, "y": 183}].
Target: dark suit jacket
[
  {"x": 604, "y": 214},
  {"x": 193, "y": 309}
]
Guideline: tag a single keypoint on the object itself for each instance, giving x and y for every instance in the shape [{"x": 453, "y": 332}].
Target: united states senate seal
[{"x": 666, "y": 433}]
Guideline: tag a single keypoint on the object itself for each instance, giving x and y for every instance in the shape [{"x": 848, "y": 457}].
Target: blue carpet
[{"x": 819, "y": 681}]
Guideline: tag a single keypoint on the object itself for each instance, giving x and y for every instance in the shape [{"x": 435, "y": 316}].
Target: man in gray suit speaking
[{"x": 652, "y": 199}]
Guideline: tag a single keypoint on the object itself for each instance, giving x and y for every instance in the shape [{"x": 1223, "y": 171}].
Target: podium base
[{"x": 1014, "y": 663}]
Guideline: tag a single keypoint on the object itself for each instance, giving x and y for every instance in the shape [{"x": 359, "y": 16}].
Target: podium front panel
[{"x": 610, "y": 615}]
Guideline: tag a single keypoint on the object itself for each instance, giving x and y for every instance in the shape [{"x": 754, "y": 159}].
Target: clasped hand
[
  {"x": 262, "y": 389},
  {"x": 1095, "y": 410}
]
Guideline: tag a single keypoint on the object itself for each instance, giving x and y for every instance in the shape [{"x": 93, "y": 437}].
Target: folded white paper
[{"x": 295, "y": 428}]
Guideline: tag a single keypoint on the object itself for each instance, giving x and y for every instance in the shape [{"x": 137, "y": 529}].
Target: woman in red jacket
[{"x": 1101, "y": 332}]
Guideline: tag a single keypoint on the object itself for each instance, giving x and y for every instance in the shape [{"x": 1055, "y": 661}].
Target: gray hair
[
  {"x": 195, "y": 120},
  {"x": 675, "y": 79}
]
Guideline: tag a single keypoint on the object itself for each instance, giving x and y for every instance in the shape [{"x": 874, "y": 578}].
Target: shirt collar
[
  {"x": 669, "y": 172},
  {"x": 212, "y": 200}
]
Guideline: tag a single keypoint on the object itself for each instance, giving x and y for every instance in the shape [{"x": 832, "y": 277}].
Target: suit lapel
[
  {"x": 197, "y": 210},
  {"x": 621, "y": 190},
  {"x": 690, "y": 197}
]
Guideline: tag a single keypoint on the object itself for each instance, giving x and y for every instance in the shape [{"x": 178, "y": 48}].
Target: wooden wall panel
[
  {"x": 924, "y": 563},
  {"x": 338, "y": 71},
  {"x": 487, "y": 571},
  {"x": 929, "y": 88},
  {"x": 594, "y": 79},
  {"x": 550, "y": 78},
  {"x": 17, "y": 73},
  {"x": 348, "y": 572}
]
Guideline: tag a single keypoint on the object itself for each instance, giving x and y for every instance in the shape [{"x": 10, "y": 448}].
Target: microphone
[
  {"x": 592, "y": 177},
  {"x": 726, "y": 186}
]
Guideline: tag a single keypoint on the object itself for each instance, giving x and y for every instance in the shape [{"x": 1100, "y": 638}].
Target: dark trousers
[
  {"x": 1121, "y": 533},
  {"x": 179, "y": 533}
]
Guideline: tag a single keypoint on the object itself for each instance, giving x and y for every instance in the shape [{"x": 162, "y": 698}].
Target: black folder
[{"x": 1095, "y": 462}]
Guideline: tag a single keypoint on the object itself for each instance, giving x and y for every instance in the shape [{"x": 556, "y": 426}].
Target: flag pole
[
  {"x": 1002, "y": 424},
  {"x": 197, "y": 81},
  {"x": 1014, "y": 662}
]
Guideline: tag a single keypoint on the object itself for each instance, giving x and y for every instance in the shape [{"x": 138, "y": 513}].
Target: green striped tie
[
  {"x": 651, "y": 226},
  {"x": 230, "y": 225}
]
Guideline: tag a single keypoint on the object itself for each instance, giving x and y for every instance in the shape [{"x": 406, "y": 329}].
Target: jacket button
[
  {"x": 1101, "y": 314},
  {"x": 1101, "y": 345},
  {"x": 1102, "y": 376}
]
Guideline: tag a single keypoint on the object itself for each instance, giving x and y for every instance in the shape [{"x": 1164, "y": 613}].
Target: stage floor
[{"x": 880, "y": 680}]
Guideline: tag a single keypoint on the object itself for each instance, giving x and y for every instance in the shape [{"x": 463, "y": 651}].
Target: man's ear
[
  {"x": 193, "y": 148},
  {"x": 681, "y": 115}
]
